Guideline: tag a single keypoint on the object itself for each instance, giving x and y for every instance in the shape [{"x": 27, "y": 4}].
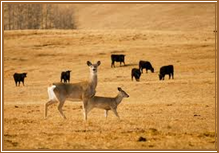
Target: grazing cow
[
  {"x": 117, "y": 58},
  {"x": 145, "y": 65},
  {"x": 136, "y": 73},
  {"x": 19, "y": 77},
  {"x": 166, "y": 70},
  {"x": 65, "y": 76}
]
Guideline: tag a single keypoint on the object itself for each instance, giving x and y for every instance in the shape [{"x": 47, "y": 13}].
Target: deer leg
[
  {"x": 106, "y": 113},
  {"x": 115, "y": 112},
  {"x": 61, "y": 103},
  {"x": 88, "y": 109},
  {"x": 47, "y": 105},
  {"x": 85, "y": 107}
]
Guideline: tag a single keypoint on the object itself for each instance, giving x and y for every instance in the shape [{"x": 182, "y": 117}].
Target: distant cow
[
  {"x": 117, "y": 58},
  {"x": 65, "y": 76},
  {"x": 166, "y": 70},
  {"x": 145, "y": 65},
  {"x": 19, "y": 77},
  {"x": 136, "y": 73}
]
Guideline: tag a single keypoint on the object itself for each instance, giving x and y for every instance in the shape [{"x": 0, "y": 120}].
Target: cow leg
[
  {"x": 120, "y": 64},
  {"x": 19, "y": 83},
  {"x": 172, "y": 76},
  {"x": 112, "y": 64},
  {"x": 16, "y": 83},
  {"x": 136, "y": 79},
  {"x": 23, "y": 83},
  {"x": 169, "y": 75}
]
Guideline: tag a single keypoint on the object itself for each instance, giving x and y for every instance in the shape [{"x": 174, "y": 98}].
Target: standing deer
[
  {"x": 107, "y": 103},
  {"x": 60, "y": 92}
]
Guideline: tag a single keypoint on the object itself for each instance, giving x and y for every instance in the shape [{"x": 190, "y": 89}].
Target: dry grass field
[{"x": 169, "y": 114}]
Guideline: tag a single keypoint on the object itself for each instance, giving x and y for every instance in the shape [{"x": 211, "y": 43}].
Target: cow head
[
  {"x": 160, "y": 76},
  {"x": 152, "y": 70},
  {"x": 24, "y": 75},
  {"x": 68, "y": 72},
  {"x": 138, "y": 75}
]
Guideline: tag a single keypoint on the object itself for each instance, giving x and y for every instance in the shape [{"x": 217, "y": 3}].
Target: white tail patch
[{"x": 51, "y": 93}]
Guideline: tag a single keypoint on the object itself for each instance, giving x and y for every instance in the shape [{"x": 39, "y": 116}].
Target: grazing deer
[
  {"x": 59, "y": 92},
  {"x": 107, "y": 103}
]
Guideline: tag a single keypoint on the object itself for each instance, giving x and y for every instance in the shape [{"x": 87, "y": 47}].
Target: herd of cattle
[{"x": 136, "y": 72}]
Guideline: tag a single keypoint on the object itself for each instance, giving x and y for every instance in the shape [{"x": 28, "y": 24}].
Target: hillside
[{"x": 181, "y": 17}]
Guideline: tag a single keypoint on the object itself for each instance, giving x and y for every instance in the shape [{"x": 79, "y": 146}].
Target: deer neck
[
  {"x": 93, "y": 80},
  {"x": 119, "y": 98}
]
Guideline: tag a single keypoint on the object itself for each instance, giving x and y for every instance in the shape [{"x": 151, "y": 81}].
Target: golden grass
[{"x": 170, "y": 114}]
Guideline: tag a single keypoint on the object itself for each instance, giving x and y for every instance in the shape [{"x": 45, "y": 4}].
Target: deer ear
[
  {"x": 89, "y": 63},
  {"x": 119, "y": 89},
  {"x": 98, "y": 63}
]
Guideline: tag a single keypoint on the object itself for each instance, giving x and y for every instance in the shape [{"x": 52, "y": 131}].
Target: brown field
[{"x": 170, "y": 114}]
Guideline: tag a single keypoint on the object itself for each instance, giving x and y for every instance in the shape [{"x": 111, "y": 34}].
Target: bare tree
[{"x": 38, "y": 16}]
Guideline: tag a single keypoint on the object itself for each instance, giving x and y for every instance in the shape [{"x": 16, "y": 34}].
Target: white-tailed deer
[
  {"x": 60, "y": 92},
  {"x": 106, "y": 103}
]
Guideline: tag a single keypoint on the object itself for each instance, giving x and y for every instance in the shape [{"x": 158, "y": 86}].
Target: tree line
[{"x": 38, "y": 16}]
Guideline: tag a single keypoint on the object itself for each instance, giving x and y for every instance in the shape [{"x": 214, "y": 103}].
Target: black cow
[
  {"x": 117, "y": 58},
  {"x": 19, "y": 77},
  {"x": 136, "y": 73},
  {"x": 65, "y": 76},
  {"x": 145, "y": 65},
  {"x": 166, "y": 70}
]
